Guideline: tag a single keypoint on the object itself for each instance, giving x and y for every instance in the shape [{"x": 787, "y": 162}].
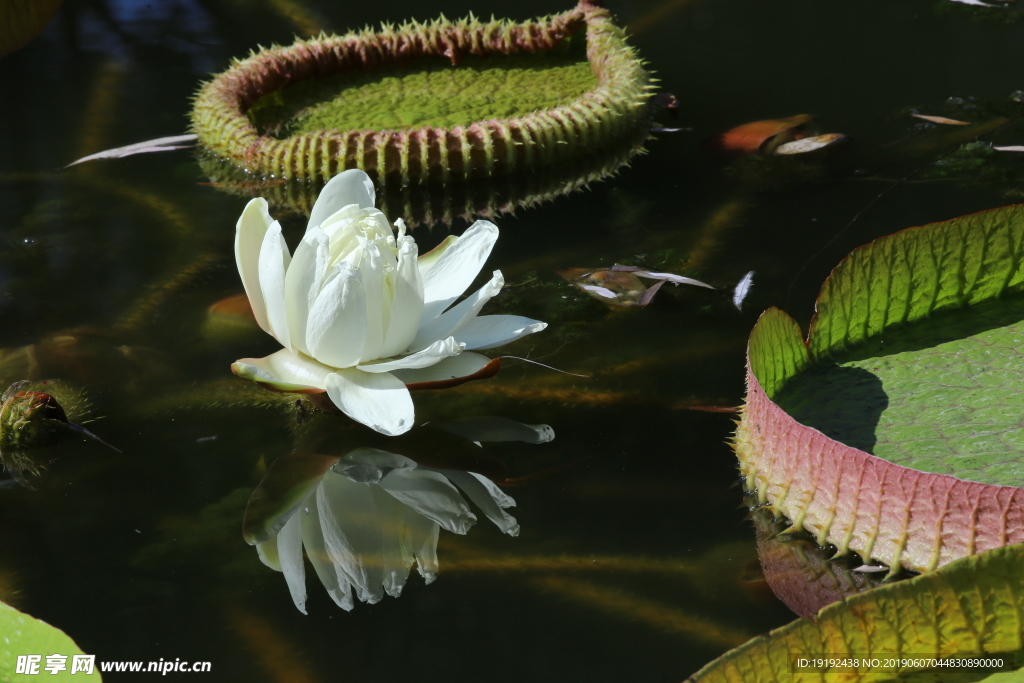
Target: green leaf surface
[
  {"x": 21, "y": 634},
  {"x": 434, "y": 93},
  {"x": 919, "y": 350},
  {"x": 974, "y": 606},
  {"x": 943, "y": 396}
]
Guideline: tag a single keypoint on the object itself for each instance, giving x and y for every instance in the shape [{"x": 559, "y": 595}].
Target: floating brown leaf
[{"x": 762, "y": 136}]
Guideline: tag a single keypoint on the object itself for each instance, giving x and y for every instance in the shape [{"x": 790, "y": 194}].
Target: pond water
[{"x": 635, "y": 560}]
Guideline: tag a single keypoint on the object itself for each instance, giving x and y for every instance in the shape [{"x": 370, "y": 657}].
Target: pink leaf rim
[{"x": 856, "y": 501}]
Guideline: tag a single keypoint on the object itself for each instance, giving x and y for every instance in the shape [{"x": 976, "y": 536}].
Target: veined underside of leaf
[
  {"x": 897, "y": 430},
  {"x": 971, "y": 607}
]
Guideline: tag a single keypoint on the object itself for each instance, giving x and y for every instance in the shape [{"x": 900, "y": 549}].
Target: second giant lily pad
[
  {"x": 897, "y": 429},
  {"x": 896, "y": 633}
]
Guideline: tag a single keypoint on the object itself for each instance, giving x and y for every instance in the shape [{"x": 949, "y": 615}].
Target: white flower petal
[
  {"x": 436, "y": 352},
  {"x": 741, "y": 290},
  {"x": 394, "y": 562},
  {"x": 426, "y": 261},
  {"x": 289, "y": 548},
  {"x": 379, "y": 400},
  {"x": 456, "y": 268},
  {"x": 274, "y": 260},
  {"x": 336, "y": 330},
  {"x": 419, "y": 542},
  {"x": 249, "y": 233},
  {"x": 407, "y": 304},
  {"x": 348, "y": 187},
  {"x": 332, "y": 578},
  {"x": 341, "y": 227},
  {"x": 462, "y": 365},
  {"x": 302, "y": 283},
  {"x": 348, "y": 520},
  {"x": 284, "y": 370},
  {"x": 481, "y": 491},
  {"x": 459, "y": 316},
  {"x": 431, "y": 495},
  {"x": 378, "y": 305},
  {"x": 490, "y": 331}
]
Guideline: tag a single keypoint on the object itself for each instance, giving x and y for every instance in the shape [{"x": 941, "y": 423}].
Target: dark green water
[{"x": 630, "y": 563}]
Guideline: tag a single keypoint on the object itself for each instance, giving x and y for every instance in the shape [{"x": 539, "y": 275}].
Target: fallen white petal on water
[
  {"x": 671, "y": 277},
  {"x": 600, "y": 291},
  {"x": 1012, "y": 148},
  {"x": 158, "y": 145},
  {"x": 977, "y": 3},
  {"x": 742, "y": 289},
  {"x": 942, "y": 119},
  {"x": 811, "y": 144}
]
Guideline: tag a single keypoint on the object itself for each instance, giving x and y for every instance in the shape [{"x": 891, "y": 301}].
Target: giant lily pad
[
  {"x": 436, "y": 102},
  {"x": 897, "y": 429},
  {"x": 971, "y": 607}
]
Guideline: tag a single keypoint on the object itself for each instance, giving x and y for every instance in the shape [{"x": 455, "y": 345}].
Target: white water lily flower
[
  {"x": 360, "y": 314},
  {"x": 370, "y": 518}
]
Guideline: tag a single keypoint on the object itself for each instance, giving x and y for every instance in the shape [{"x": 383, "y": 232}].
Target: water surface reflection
[{"x": 366, "y": 517}]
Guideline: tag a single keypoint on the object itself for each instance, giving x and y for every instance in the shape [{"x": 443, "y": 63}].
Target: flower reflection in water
[{"x": 369, "y": 517}]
